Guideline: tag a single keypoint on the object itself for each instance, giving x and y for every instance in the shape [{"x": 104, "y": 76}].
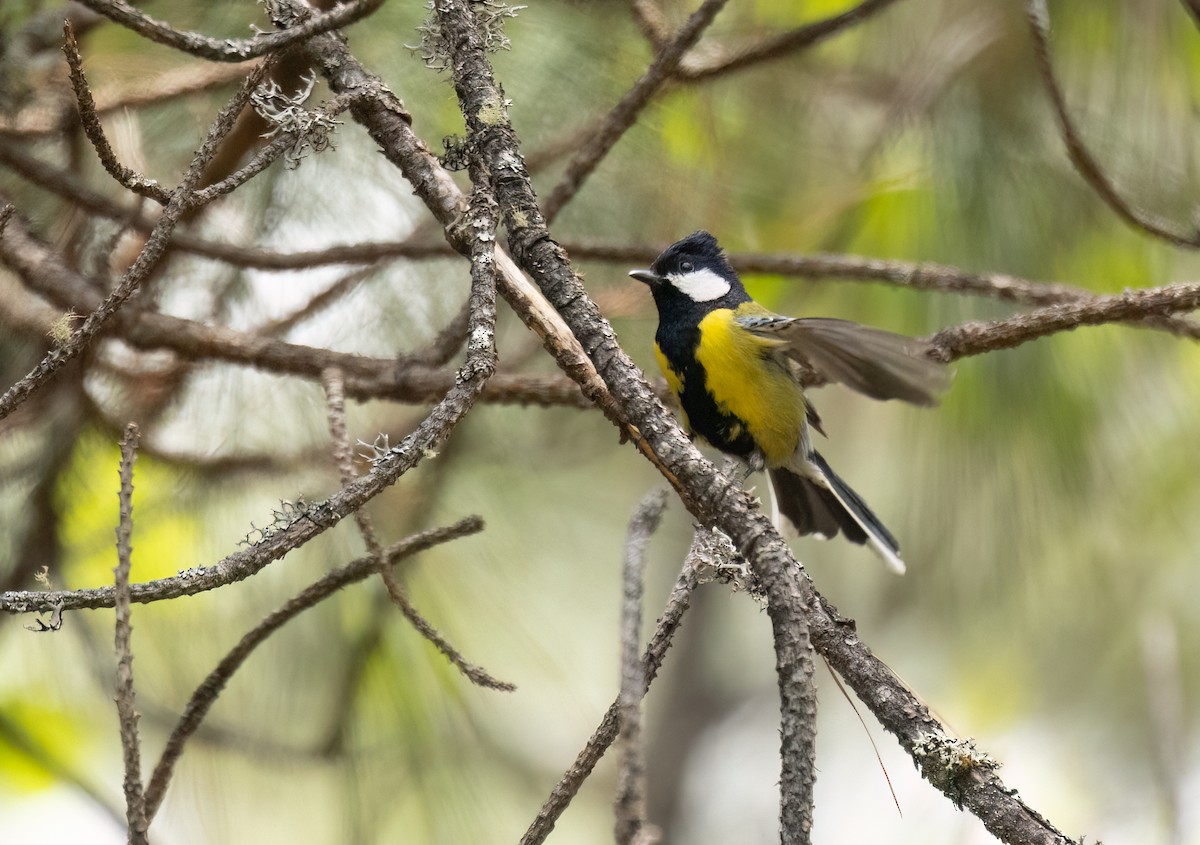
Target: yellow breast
[{"x": 746, "y": 380}]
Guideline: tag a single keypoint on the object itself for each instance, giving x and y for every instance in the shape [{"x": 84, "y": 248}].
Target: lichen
[{"x": 434, "y": 46}]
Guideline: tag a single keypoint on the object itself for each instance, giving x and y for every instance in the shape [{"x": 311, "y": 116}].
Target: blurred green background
[{"x": 1047, "y": 509}]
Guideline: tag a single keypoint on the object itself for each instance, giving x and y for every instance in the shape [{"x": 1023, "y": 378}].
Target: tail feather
[{"x": 819, "y": 502}]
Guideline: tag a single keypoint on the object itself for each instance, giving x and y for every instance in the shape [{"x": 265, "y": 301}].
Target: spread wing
[{"x": 876, "y": 363}]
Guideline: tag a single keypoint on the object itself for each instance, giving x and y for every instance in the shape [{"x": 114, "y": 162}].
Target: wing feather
[{"x": 876, "y": 363}]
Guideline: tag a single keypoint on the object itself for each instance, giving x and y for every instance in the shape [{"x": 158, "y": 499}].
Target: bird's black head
[{"x": 693, "y": 272}]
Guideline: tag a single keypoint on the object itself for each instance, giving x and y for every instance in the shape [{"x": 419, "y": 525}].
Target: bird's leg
[
  {"x": 747, "y": 466},
  {"x": 753, "y": 463}
]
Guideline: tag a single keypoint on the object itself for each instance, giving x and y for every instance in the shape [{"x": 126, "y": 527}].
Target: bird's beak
[{"x": 648, "y": 277}]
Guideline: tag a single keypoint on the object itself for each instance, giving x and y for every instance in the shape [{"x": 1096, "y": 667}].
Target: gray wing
[{"x": 876, "y": 363}]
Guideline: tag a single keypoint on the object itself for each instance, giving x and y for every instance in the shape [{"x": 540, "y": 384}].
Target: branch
[
  {"x": 630, "y": 803},
  {"x": 135, "y": 806},
  {"x": 286, "y": 143},
  {"x": 206, "y": 694},
  {"x": 627, "y": 110},
  {"x": 1147, "y": 303},
  {"x": 776, "y": 46},
  {"x": 386, "y": 120},
  {"x": 497, "y": 143},
  {"x": 233, "y": 49},
  {"x": 706, "y": 549},
  {"x": 335, "y": 398},
  {"x": 366, "y": 378},
  {"x": 1039, "y": 26},
  {"x": 444, "y": 345},
  {"x": 135, "y": 182},
  {"x": 145, "y": 263}
]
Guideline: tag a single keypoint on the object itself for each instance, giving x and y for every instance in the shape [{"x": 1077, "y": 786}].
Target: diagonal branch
[
  {"x": 136, "y": 182},
  {"x": 775, "y": 46},
  {"x": 706, "y": 550},
  {"x": 206, "y": 694},
  {"x": 544, "y": 260},
  {"x": 335, "y": 399},
  {"x": 627, "y": 110},
  {"x": 711, "y": 496}
]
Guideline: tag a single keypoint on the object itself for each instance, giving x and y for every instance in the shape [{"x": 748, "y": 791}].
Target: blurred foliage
[{"x": 1047, "y": 508}]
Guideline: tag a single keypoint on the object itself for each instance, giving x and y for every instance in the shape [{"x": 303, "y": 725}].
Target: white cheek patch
[{"x": 700, "y": 285}]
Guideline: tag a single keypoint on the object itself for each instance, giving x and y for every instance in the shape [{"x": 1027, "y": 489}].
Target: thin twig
[
  {"x": 232, "y": 49},
  {"x": 317, "y": 303},
  {"x": 206, "y": 694},
  {"x": 44, "y": 270},
  {"x": 146, "y": 261},
  {"x": 343, "y": 453},
  {"x": 630, "y": 804},
  {"x": 135, "y": 806},
  {"x": 136, "y": 182},
  {"x": 776, "y": 46},
  {"x": 1092, "y": 172},
  {"x": 481, "y": 220},
  {"x": 303, "y": 523},
  {"x": 705, "y": 551},
  {"x": 346, "y": 687},
  {"x": 623, "y": 115}
]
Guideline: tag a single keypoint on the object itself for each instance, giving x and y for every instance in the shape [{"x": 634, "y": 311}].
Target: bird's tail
[{"x": 816, "y": 501}]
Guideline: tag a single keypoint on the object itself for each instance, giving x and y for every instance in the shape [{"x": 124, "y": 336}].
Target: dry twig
[
  {"x": 776, "y": 46},
  {"x": 623, "y": 115},
  {"x": 630, "y": 804},
  {"x": 206, "y": 694},
  {"x": 335, "y": 398},
  {"x": 135, "y": 805},
  {"x": 1038, "y": 14},
  {"x": 704, "y": 550},
  {"x": 90, "y": 120},
  {"x": 306, "y": 24}
]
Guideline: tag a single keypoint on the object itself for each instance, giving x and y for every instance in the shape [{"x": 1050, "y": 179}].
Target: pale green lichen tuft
[
  {"x": 434, "y": 49},
  {"x": 60, "y": 330}
]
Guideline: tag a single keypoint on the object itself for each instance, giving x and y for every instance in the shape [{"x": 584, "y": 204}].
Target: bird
[{"x": 736, "y": 370}]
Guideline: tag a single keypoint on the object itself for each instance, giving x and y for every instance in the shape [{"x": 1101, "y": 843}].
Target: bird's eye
[{"x": 687, "y": 266}]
